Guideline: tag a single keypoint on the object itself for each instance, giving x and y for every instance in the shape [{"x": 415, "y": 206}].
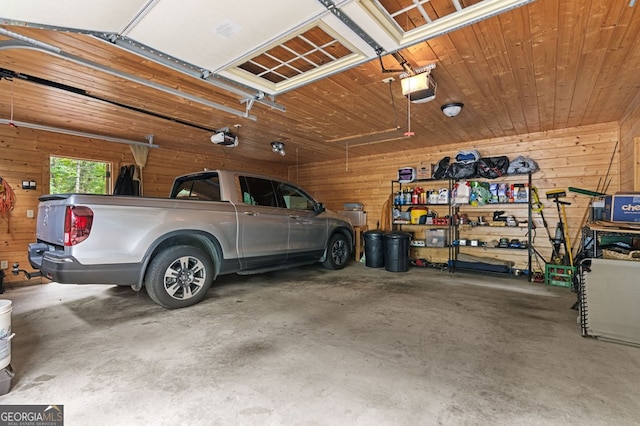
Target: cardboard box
[
  {"x": 622, "y": 207},
  {"x": 436, "y": 237},
  {"x": 519, "y": 193},
  {"x": 423, "y": 172}
]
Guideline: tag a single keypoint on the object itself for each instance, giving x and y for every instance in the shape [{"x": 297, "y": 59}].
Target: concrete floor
[{"x": 309, "y": 346}]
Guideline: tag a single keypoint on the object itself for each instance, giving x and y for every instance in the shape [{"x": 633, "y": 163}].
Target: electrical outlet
[
  {"x": 29, "y": 213},
  {"x": 4, "y": 264}
]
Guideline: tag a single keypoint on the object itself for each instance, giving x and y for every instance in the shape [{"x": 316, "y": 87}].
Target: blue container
[{"x": 622, "y": 207}]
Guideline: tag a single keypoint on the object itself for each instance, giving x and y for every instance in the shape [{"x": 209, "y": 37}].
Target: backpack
[{"x": 440, "y": 169}]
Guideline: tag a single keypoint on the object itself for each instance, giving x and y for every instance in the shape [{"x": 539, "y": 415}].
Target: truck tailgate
[{"x": 50, "y": 225}]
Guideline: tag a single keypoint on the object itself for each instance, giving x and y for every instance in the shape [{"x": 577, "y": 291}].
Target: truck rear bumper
[{"x": 65, "y": 269}]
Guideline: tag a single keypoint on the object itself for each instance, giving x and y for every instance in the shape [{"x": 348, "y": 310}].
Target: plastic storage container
[
  {"x": 357, "y": 218},
  {"x": 559, "y": 275},
  {"x": 416, "y": 214},
  {"x": 396, "y": 251},
  {"x": 436, "y": 238},
  {"x": 373, "y": 248},
  {"x": 6, "y": 374}
]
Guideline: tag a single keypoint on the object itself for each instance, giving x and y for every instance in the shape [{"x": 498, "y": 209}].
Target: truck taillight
[{"x": 77, "y": 224}]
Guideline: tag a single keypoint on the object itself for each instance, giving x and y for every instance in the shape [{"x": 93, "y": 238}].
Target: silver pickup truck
[{"x": 213, "y": 223}]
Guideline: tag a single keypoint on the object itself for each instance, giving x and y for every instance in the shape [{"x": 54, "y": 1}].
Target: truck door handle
[
  {"x": 294, "y": 216},
  {"x": 247, "y": 213}
]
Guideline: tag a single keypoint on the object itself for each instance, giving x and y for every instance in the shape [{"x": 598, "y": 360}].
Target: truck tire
[
  {"x": 179, "y": 276},
  {"x": 338, "y": 252}
]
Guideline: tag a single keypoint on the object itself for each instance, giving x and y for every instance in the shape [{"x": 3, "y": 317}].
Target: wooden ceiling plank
[
  {"x": 619, "y": 68},
  {"x": 483, "y": 75},
  {"x": 572, "y": 19},
  {"x": 544, "y": 33},
  {"x": 519, "y": 49},
  {"x": 592, "y": 58},
  {"x": 528, "y": 69},
  {"x": 504, "y": 73}
]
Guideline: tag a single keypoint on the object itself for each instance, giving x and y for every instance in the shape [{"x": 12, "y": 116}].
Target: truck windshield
[{"x": 203, "y": 188}]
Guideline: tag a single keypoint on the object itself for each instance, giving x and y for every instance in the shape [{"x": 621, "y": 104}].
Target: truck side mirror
[{"x": 318, "y": 208}]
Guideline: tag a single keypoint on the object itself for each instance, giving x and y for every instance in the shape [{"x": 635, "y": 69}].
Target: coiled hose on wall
[{"x": 7, "y": 201}]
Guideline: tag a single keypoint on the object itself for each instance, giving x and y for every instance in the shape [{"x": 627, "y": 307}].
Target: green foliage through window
[{"x": 80, "y": 176}]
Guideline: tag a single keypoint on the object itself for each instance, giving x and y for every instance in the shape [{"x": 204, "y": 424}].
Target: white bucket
[{"x": 5, "y": 332}]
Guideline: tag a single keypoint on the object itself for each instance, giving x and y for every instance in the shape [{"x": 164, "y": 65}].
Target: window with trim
[{"x": 75, "y": 175}]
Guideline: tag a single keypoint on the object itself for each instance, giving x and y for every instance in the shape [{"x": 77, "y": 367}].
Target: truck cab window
[
  {"x": 203, "y": 188},
  {"x": 256, "y": 191}
]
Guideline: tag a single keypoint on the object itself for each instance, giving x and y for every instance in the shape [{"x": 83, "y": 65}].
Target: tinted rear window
[{"x": 203, "y": 188}]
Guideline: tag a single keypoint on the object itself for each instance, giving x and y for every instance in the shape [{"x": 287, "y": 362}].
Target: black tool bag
[
  {"x": 493, "y": 167},
  {"x": 462, "y": 170}
]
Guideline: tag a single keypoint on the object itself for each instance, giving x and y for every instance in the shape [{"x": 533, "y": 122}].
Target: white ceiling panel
[
  {"x": 105, "y": 16},
  {"x": 271, "y": 46},
  {"x": 214, "y": 34}
]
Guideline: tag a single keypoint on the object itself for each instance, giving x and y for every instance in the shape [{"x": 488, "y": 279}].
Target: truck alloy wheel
[{"x": 179, "y": 277}]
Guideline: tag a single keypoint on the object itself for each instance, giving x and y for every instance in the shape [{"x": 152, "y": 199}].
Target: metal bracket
[
  {"x": 335, "y": 10},
  {"x": 426, "y": 69},
  {"x": 249, "y": 105}
]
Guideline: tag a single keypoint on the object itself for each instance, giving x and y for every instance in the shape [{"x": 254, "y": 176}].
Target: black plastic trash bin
[
  {"x": 373, "y": 248},
  {"x": 396, "y": 251}
]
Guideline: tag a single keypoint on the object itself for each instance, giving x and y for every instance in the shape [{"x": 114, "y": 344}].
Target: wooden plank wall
[
  {"x": 25, "y": 156},
  {"x": 630, "y": 149},
  {"x": 576, "y": 157}
]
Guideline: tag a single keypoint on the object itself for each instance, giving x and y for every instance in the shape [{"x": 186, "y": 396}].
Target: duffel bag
[{"x": 493, "y": 167}]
